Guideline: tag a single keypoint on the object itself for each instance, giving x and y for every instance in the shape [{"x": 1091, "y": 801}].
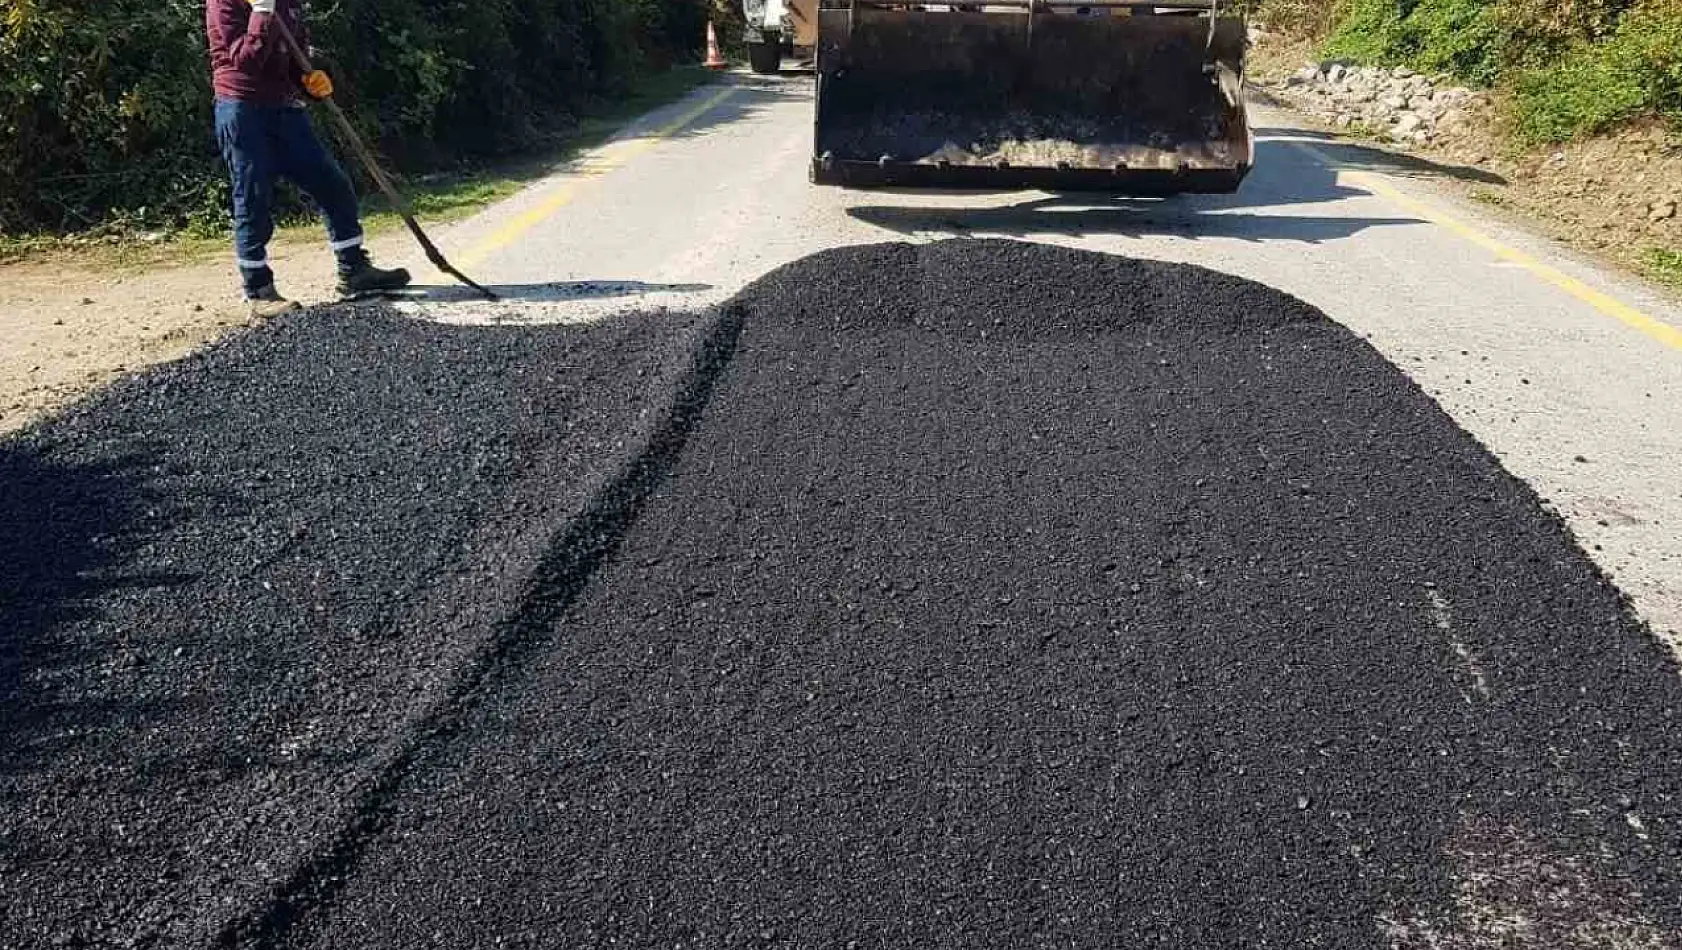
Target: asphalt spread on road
[
  {"x": 977, "y": 594},
  {"x": 236, "y": 591}
]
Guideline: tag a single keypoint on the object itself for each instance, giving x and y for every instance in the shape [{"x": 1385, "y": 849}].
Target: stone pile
[{"x": 1406, "y": 105}]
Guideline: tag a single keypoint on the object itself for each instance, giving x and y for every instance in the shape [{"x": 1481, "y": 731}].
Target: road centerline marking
[
  {"x": 595, "y": 164},
  {"x": 1600, "y": 300}
]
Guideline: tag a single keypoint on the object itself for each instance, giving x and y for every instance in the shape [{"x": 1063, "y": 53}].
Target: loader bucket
[{"x": 1031, "y": 95}]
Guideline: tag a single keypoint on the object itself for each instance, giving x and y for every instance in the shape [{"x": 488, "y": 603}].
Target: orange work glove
[{"x": 318, "y": 85}]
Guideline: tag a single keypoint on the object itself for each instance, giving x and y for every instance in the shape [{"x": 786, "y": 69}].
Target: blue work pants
[{"x": 261, "y": 144}]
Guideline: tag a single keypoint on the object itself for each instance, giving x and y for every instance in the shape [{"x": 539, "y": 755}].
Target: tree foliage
[{"x": 105, "y": 107}]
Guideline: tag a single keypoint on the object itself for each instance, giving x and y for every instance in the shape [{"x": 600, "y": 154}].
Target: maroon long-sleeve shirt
[{"x": 248, "y": 59}]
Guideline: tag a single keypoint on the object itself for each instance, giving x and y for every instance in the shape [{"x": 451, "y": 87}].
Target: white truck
[{"x": 779, "y": 27}]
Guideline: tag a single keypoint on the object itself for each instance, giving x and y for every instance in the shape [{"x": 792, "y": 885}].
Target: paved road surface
[{"x": 891, "y": 623}]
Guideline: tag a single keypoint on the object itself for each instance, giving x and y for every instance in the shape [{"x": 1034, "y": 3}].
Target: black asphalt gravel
[
  {"x": 233, "y": 592},
  {"x": 970, "y": 595}
]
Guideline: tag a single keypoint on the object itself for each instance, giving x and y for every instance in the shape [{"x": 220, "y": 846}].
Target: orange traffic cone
[{"x": 715, "y": 59}]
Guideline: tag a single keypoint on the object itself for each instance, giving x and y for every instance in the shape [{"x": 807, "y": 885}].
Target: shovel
[{"x": 374, "y": 171}]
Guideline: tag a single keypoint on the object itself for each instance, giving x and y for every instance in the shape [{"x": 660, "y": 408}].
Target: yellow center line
[
  {"x": 1605, "y": 303},
  {"x": 598, "y": 163}
]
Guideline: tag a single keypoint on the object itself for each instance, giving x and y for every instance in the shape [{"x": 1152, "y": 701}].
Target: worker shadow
[
  {"x": 549, "y": 292},
  {"x": 1265, "y": 208},
  {"x": 70, "y": 534}
]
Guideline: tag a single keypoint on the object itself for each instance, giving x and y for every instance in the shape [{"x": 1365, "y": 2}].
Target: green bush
[
  {"x": 1367, "y": 32},
  {"x": 1636, "y": 71},
  {"x": 1586, "y": 92},
  {"x": 1574, "y": 67},
  {"x": 1304, "y": 18},
  {"x": 1539, "y": 31},
  {"x": 89, "y": 106},
  {"x": 105, "y": 107},
  {"x": 1463, "y": 38}
]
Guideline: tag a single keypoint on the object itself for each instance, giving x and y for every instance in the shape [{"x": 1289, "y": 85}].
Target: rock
[
  {"x": 1363, "y": 96},
  {"x": 1402, "y": 72},
  {"x": 1407, "y": 123},
  {"x": 1305, "y": 76},
  {"x": 1336, "y": 73},
  {"x": 1395, "y": 102},
  {"x": 1662, "y": 210}
]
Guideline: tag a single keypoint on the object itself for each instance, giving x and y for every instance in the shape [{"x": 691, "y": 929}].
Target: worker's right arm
[{"x": 246, "y": 28}]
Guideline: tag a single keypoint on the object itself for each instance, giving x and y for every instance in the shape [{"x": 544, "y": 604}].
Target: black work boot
[
  {"x": 267, "y": 303},
  {"x": 360, "y": 278}
]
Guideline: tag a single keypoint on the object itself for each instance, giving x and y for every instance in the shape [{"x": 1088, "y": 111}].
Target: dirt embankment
[{"x": 1616, "y": 195}]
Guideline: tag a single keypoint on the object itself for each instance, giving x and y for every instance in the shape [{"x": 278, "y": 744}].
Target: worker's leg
[
  {"x": 307, "y": 163},
  {"x": 243, "y": 132},
  {"x": 304, "y": 160}
]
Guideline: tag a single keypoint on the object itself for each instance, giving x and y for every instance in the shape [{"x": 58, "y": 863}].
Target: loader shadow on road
[
  {"x": 552, "y": 292},
  {"x": 1079, "y": 217},
  {"x": 1347, "y": 154},
  {"x": 1284, "y": 177}
]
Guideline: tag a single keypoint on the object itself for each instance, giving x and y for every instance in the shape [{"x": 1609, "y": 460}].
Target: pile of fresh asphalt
[
  {"x": 235, "y": 593},
  {"x": 1008, "y": 596},
  {"x": 970, "y": 595}
]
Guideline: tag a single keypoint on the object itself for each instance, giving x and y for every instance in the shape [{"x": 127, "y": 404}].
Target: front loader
[
  {"x": 778, "y": 27},
  {"x": 1115, "y": 96}
]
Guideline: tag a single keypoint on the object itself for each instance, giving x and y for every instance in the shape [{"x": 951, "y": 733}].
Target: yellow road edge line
[
  {"x": 1599, "y": 300},
  {"x": 598, "y": 163}
]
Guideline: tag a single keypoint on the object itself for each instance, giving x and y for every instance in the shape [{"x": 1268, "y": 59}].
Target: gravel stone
[
  {"x": 1048, "y": 587},
  {"x": 976, "y": 594},
  {"x": 1379, "y": 96},
  {"x": 230, "y": 588}
]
